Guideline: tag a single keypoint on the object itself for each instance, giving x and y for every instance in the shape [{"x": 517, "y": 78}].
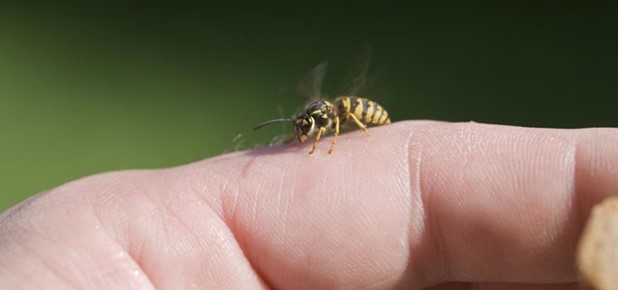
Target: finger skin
[
  {"x": 504, "y": 286},
  {"x": 415, "y": 204}
]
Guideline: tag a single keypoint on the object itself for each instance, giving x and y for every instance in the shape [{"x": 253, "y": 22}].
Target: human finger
[{"x": 417, "y": 204}]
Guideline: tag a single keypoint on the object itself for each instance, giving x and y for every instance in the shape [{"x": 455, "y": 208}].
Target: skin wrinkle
[
  {"x": 230, "y": 219},
  {"x": 227, "y": 214},
  {"x": 219, "y": 188},
  {"x": 241, "y": 241},
  {"x": 404, "y": 200},
  {"x": 228, "y": 246},
  {"x": 134, "y": 264},
  {"x": 128, "y": 263},
  {"x": 166, "y": 231},
  {"x": 132, "y": 243},
  {"x": 568, "y": 224},
  {"x": 591, "y": 170},
  {"x": 113, "y": 208},
  {"x": 561, "y": 224},
  {"x": 174, "y": 215},
  {"x": 403, "y": 203},
  {"x": 147, "y": 270},
  {"x": 562, "y": 193},
  {"x": 586, "y": 197},
  {"x": 417, "y": 192},
  {"x": 434, "y": 218},
  {"x": 193, "y": 239},
  {"x": 571, "y": 203},
  {"x": 434, "y": 243},
  {"x": 226, "y": 182},
  {"x": 209, "y": 205},
  {"x": 443, "y": 246},
  {"x": 578, "y": 200},
  {"x": 254, "y": 208}
]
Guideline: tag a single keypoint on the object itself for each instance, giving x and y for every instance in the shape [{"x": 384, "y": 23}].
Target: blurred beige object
[{"x": 597, "y": 257}]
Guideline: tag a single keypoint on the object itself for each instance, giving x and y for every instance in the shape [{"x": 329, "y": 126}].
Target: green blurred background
[{"x": 94, "y": 86}]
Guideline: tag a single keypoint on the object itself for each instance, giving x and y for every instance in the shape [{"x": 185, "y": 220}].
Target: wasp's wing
[
  {"x": 310, "y": 84},
  {"x": 356, "y": 79}
]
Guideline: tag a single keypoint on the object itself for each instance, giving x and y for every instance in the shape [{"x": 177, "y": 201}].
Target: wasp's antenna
[{"x": 267, "y": 123}]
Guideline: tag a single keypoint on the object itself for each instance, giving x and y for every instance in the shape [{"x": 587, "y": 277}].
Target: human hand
[{"x": 414, "y": 205}]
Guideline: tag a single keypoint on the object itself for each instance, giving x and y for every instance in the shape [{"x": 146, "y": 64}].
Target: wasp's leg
[
  {"x": 317, "y": 138},
  {"x": 360, "y": 125},
  {"x": 332, "y": 144}
]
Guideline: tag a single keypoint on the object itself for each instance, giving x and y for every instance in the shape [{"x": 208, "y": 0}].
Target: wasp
[{"x": 321, "y": 116}]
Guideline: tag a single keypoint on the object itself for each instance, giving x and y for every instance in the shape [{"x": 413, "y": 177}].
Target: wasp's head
[{"x": 304, "y": 124}]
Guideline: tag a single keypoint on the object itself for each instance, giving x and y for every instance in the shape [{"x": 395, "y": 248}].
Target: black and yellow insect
[{"x": 320, "y": 117}]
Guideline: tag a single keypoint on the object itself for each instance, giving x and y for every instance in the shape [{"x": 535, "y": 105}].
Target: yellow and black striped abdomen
[{"x": 365, "y": 110}]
